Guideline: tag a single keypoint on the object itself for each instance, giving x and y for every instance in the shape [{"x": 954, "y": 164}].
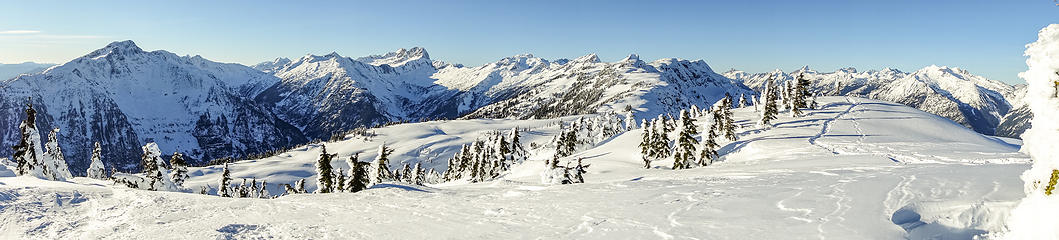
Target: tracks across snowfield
[{"x": 772, "y": 184}]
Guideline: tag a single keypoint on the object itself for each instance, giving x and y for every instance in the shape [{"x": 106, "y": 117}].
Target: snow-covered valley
[{"x": 853, "y": 169}]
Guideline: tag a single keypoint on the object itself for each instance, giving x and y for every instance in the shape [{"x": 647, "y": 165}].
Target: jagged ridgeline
[{"x": 125, "y": 97}]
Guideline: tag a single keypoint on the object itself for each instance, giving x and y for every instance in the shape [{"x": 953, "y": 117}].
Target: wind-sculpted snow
[
  {"x": 973, "y": 101},
  {"x": 947, "y": 182}
]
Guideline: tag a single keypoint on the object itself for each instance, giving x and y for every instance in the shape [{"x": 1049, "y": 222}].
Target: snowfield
[{"x": 854, "y": 169}]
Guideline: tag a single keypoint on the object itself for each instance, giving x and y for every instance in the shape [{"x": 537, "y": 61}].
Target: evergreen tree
[
  {"x": 647, "y": 143},
  {"x": 340, "y": 181},
  {"x": 728, "y": 119},
  {"x": 812, "y": 104},
  {"x": 685, "y": 153},
  {"x": 578, "y": 172},
  {"x": 770, "y": 103},
  {"x": 518, "y": 152},
  {"x": 661, "y": 144},
  {"x": 154, "y": 169},
  {"x": 55, "y": 159},
  {"x": 324, "y": 180},
  {"x": 380, "y": 169},
  {"x": 28, "y": 153},
  {"x": 417, "y": 175},
  {"x": 262, "y": 191},
  {"x": 742, "y": 101},
  {"x": 708, "y": 150},
  {"x": 96, "y": 169},
  {"x": 406, "y": 174},
  {"x": 801, "y": 91},
  {"x": 630, "y": 121},
  {"x": 180, "y": 169},
  {"x": 299, "y": 186},
  {"x": 244, "y": 192},
  {"x": 226, "y": 181},
  {"x": 358, "y": 176}
]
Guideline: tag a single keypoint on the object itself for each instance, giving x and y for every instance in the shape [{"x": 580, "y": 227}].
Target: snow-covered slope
[
  {"x": 8, "y": 71},
  {"x": 855, "y": 169},
  {"x": 125, "y": 97},
  {"x": 345, "y": 93},
  {"x": 971, "y": 100}
]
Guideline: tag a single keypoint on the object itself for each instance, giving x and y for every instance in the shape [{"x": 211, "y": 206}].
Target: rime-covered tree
[
  {"x": 224, "y": 187},
  {"x": 299, "y": 186},
  {"x": 728, "y": 119},
  {"x": 54, "y": 158},
  {"x": 742, "y": 101},
  {"x": 28, "y": 153},
  {"x": 685, "y": 149},
  {"x": 647, "y": 143},
  {"x": 661, "y": 144},
  {"x": 380, "y": 169},
  {"x": 630, "y": 121},
  {"x": 96, "y": 169},
  {"x": 358, "y": 174},
  {"x": 417, "y": 175},
  {"x": 801, "y": 91},
  {"x": 771, "y": 109},
  {"x": 154, "y": 170},
  {"x": 577, "y": 172},
  {"x": 340, "y": 181},
  {"x": 708, "y": 150},
  {"x": 324, "y": 180},
  {"x": 518, "y": 152},
  {"x": 406, "y": 174},
  {"x": 262, "y": 191},
  {"x": 180, "y": 169}
]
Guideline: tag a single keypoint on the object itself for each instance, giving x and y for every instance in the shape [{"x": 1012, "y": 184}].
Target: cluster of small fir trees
[
  {"x": 30, "y": 157},
  {"x": 795, "y": 97},
  {"x": 485, "y": 159},
  {"x": 688, "y": 151}
]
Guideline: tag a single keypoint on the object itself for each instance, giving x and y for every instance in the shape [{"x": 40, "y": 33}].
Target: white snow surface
[{"x": 854, "y": 169}]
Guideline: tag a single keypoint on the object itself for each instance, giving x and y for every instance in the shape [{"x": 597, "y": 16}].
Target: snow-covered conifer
[
  {"x": 180, "y": 169},
  {"x": 380, "y": 169},
  {"x": 224, "y": 187},
  {"x": 324, "y": 179},
  {"x": 646, "y": 143},
  {"x": 771, "y": 109},
  {"x": 96, "y": 169},
  {"x": 54, "y": 158},
  {"x": 417, "y": 174},
  {"x": 358, "y": 177},
  {"x": 28, "y": 153},
  {"x": 154, "y": 170},
  {"x": 630, "y": 121},
  {"x": 685, "y": 152},
  {"x": 661, "y": 145},
  {"x": 1035, "y": 216},
  {"x": 299, "y": 186},
  {"x": 340, "y": 181}
]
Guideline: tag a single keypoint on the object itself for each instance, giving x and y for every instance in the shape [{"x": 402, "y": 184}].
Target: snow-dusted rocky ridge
[
  {"x": 343, "y": 93},
  {"x": 125, "y": 97},
  {"x": 854, "y": 169},
  {"x": 953, "y": 93}
]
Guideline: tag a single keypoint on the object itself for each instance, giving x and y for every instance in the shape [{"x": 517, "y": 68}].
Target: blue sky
[{"x": 984, "y": 37}]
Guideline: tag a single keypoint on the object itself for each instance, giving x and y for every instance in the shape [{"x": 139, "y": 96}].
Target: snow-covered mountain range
[
  {"x": 8, "y": 71},
  {"x": 125, "y": 97},
  {"x": 953, "y": 93}
]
